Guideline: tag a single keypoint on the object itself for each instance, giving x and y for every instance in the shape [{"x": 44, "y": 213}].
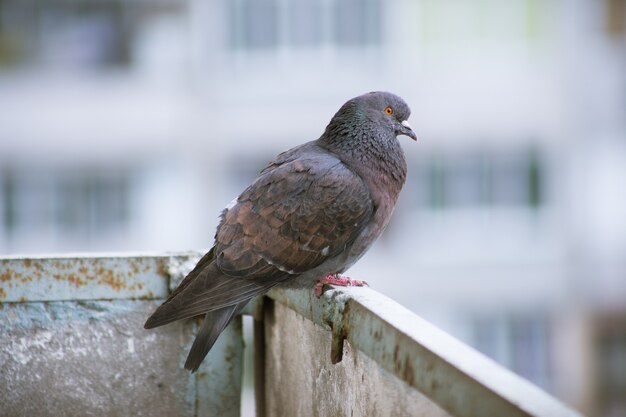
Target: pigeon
[{"x": 310, "y": 215}]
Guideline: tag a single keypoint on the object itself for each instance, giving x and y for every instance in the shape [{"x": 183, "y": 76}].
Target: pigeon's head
[
  {"x": 388, "y": 110},
  {"x": 385, "y": 112}
]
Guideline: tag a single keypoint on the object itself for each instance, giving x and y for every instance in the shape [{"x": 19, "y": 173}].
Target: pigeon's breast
[
  {"x": 384, "y": 178},
  {"x": 368, "y": 236}
]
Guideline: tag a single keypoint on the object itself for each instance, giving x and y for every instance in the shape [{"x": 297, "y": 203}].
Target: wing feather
[
  {"x": 295, "y": 216},
  {"x": 298, "y": 214}
]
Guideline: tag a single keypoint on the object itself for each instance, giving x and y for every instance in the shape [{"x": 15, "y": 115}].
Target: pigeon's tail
[
  {"x": 212, "y": 326},
  {"x": 208, "y": 291}
]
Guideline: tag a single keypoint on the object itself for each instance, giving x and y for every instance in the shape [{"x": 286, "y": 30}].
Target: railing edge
[{"x": 452, "y": 374}]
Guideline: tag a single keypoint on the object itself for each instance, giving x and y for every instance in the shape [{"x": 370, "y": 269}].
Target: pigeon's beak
[{"x": 407, "y": 130}]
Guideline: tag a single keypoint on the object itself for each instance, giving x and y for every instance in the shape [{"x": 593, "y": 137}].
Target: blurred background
[{"x": 129, "y": 125}]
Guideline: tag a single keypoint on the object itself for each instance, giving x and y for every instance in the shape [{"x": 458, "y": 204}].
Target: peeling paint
[
  {"x": 83, "y": 277},
  {"x": 92, "y": 358}
]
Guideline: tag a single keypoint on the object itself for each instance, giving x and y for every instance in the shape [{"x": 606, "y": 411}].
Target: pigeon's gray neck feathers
[{"x": 370, "y": 151}]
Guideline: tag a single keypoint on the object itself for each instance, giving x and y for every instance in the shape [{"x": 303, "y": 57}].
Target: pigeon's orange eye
[{"x": 389, "y": 110}]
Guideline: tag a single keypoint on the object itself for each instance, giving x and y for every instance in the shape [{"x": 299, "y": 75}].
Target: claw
[{"x": 339, "y": 280}]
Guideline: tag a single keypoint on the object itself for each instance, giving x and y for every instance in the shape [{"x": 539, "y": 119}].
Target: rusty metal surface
[
  {"x": 457, "y": 378},
  {"x": 89, "y": 355},
  {"x": 85, "y": 277},
  {"x": 73, "y": 344},
  {"x": 91, "y": 359},
  {"x": 302, "y": 381}
]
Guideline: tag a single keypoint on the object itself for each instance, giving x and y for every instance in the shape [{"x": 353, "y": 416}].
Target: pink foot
[{"x": 337, "y": 279}]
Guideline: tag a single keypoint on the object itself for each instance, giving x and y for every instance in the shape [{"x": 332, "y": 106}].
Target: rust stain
[
  {"x": 147, "y": 296},
  {"x": 80, "y": 273},
  {"x": 136, "y": 286},
  {"x": 11, "y": 276},
  {"x": 408, "y": 373},
  {"x": 35, "y": 268},
  {"x": 61, "y": 265},
  {"x": 38, "y": 266},
  {"x": 377, "y": 335},
  {"x": 22, "y": 300},
  {"x": 134, "y": 266},
  {"x": 110, "y": 278},
  {"x": 71, "y": 278},
  {"x": 113, "y": 281},
  {"x": 76, "y": 280},
  {"x": 403, "y": 366},
  {"x": 434, "y": 385},
  {"x": 6, "y": 276},
  {"x": 162, "y": 268}
]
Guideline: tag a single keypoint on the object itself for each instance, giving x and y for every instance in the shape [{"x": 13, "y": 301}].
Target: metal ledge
[
  {"x": 91, "y": 277},
  {"x": 456, "y": 377}
]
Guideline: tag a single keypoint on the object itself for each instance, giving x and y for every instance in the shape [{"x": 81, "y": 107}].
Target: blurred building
[{"x": 129, "y": 125}]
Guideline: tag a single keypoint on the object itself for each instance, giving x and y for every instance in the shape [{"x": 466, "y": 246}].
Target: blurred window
[
  {"x": 264, "y": 24},
  {"x": 437, "y": 183},
  {"x": 90, "y": 204},
  {"x": 7, "y": 202},
  {"x": 521, "y": 343},
  {"x": 75, "y": 34},
  {"x": 79, "y": 205},
  {"x": 500, "y": 179},
  {"x": 254, "y": 23},
  {"x": 467, "y": 181},
  {"x": 357, "y": 22},
  {"x": 305, "y": 20},
  {"x": 82, "y": 36}
]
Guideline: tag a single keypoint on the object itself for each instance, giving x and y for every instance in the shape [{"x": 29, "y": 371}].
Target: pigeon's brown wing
[{"x": 292, "y": 219}]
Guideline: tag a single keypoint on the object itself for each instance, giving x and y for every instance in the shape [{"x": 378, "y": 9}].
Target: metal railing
[{"x": 73, "y": 341}]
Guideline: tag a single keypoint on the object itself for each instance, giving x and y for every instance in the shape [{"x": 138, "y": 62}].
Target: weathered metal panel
[
  {"x": 451, "y": 374},
  {"x": 83, "y": 277},
  {"x": 91, "y": 357},
  {"x": 302, "y": 381},
  {"x": 87, "y": 356}
]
